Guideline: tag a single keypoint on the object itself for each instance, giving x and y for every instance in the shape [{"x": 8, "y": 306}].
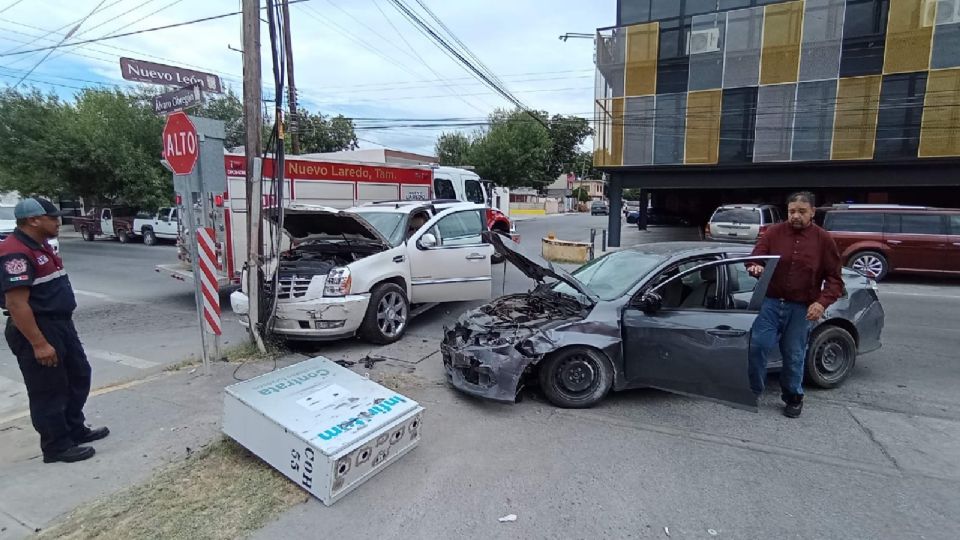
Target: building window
[{"x": 901, "y": 112}]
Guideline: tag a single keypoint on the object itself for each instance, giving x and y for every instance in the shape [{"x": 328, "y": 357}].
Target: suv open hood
[
  {"x": 537, "y": 271},
  {"x": 302, "y": 221}
]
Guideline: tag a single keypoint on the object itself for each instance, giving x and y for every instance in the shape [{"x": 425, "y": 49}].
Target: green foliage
[
  {"x": 515, "y": 151},
  {"x": 229, "y": 109},
  {"x": 104, "y": 147},
  {"x": 320, "y": 133},
  {"x": 567, "y": 134},
  {"x": 453, "y": 149},
  {"x": 581, "y": 194}
]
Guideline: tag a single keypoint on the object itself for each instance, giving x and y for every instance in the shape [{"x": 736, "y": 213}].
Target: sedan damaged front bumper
[{"x": 489, "y": 373}]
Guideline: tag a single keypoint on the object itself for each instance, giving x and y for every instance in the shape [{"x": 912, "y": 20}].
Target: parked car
[
  {"x": 8, "y": 222},
  {"x": 674, "y": 316},
  {"x": 367, "y": 270},
  {"x": 877, "y": 240},
  {"x": 655, "y": 217},
  {"x": 741, "y": 222},
  {"x": 630, "y": 206},
  {"x": 162, "y": 224},
  {"x": 111, "y": 221},
  {"x": 599, "y": 208}
]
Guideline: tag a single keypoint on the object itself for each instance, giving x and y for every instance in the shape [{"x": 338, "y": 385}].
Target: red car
[{"x": 876, "y": 240}]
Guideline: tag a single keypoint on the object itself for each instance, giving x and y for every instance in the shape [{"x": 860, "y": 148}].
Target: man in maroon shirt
[{"x": 806, "y": 281}]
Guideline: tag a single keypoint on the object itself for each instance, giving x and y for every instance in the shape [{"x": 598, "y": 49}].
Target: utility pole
[
  {"x": 294, "y": 127},
  {"x": 253, "y": 150}
]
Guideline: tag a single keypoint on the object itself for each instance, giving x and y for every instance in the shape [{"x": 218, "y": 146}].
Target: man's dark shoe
[
  {"x": 793, "y": 409},
  {"x": 90, "y": 435},
  {"x": 70, "y": 455}
]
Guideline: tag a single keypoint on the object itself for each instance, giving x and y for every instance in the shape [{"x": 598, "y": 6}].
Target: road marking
[
  {"x": 104, "y": 297},
  {"x": 883, "y": 293},
  {"x": 123, "y": 359}
]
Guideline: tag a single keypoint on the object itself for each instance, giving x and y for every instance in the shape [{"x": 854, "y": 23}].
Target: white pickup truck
[
  {"x": 367, "y": 270},
  {"x": 164, "y": 223}
]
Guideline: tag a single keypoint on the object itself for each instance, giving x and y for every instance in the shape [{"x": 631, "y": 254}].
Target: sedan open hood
[
  {"x": 535, "y": 270},
  {"x": 303, "y": 221}
]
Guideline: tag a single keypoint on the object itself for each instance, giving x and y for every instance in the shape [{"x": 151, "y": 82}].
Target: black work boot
[
  {"x": 793, "y": 408},
  {"x": 70, "y": 455},
  {"x": 89, "y": 435}
]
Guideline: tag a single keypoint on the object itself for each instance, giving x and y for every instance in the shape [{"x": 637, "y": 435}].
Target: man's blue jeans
[{"x": 785, "y": 323}]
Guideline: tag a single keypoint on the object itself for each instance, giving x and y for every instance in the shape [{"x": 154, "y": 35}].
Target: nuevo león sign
[{"x": 153, "y": 73}]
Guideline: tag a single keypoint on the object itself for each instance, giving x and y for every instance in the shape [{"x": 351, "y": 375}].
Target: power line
[
  {"x": 143, "y": 31},
  {"x": 66, "y": 37},
  {"x": 15, "y": 2}
]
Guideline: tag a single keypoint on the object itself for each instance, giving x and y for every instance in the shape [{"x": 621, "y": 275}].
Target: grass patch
[
  {"x": 189, "y": 362},
  {"x": 247, "y": 351},
  {"x": 222, "y": 491}
]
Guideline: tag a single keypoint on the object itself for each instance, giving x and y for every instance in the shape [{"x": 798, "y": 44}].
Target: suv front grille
[{"x": 293, "y": 287}]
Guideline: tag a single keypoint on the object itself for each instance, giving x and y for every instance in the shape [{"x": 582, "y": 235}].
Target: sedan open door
[{"x": 690, "y": 334}]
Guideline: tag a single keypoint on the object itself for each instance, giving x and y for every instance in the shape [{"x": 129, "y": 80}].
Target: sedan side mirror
[
  {"x": 651, "y": 303},
  {"x": 428, "y": 241}
]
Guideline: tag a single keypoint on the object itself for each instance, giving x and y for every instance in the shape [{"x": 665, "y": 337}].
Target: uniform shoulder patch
[{"x": 16, "y": 265}]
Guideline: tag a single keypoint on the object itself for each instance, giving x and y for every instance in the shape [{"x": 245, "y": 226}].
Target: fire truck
[{"x": 323, "y": 183}]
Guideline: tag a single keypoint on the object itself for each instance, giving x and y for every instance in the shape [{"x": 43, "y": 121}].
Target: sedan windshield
[
  {"x": 389, "y": 224},
  {"x": 612, "y": 276}
]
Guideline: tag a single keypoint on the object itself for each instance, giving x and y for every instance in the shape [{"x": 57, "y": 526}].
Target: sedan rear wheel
[
  {"x": 830, "y": 357},
  {"x": 576, "y": 378}
]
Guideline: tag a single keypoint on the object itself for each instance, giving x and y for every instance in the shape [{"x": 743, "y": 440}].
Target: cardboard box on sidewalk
[{"x": 323, "y": 426}]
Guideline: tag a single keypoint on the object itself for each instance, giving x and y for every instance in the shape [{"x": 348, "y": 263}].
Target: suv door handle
[
  {"x": 895, "y": 242},
  {"x": 476, "y": 257},
  {"x": 726, "y": 331},
  {"x": 399, "y": 259}
]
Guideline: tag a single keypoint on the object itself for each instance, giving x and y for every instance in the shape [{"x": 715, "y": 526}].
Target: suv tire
[
  {"x": 869, "y": 262},
  {"x": 388, "y": 315}
]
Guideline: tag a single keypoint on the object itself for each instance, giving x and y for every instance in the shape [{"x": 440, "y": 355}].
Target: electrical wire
[
  {"x": 142, "y": 31},
  {"x": 65, "y": 38}
]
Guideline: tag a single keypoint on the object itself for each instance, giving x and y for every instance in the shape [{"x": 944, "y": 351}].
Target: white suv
[{"x": 367, "y": 270}]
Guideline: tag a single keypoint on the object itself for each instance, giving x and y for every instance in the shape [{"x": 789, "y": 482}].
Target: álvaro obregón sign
[
  {"x": 178, "y": 100},
  {"x": 153, "y": 73}
]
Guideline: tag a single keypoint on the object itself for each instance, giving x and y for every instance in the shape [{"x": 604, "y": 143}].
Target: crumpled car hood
[{"x": 537, "y": 271}]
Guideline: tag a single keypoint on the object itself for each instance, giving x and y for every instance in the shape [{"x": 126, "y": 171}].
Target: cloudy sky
[{"x": 359, "y": 58}]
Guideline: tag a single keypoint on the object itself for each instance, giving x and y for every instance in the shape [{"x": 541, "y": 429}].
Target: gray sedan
[{"x": 674, "y": 316}]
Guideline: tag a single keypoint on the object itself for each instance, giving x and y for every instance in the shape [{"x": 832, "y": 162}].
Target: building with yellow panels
[{"x": 703, "y": 102}]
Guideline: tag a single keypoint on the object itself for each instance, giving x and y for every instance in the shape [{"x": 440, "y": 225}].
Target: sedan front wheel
[{"x": 576, "y": 378}]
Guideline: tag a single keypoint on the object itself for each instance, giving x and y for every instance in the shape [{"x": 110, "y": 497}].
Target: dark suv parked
[{"x": 878, "y": 239}]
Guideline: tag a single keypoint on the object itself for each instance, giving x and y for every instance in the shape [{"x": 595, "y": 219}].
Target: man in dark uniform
[{"x": 39, "y": 302}]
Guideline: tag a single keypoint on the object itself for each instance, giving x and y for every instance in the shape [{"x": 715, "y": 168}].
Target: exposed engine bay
[
  {"x": 316, "y": 258},
  {"x": 511, "y": 318}
]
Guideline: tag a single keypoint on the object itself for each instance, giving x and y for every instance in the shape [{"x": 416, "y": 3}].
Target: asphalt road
[{"x": 878, "y": 457}]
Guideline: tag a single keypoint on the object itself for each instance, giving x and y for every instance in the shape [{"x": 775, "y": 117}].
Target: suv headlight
[{"x": 338, "y": 282}]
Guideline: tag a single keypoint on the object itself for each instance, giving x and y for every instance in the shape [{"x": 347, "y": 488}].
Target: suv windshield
[
  {"x": 747, "y": 216},
  {"x": 388, "y": 224},
  {"x": 612, "y": 276}
]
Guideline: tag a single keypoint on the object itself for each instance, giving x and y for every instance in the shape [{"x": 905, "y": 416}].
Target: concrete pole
[
  {"x": 615, "y": 191},
  {"x": 253, "y": 149}
]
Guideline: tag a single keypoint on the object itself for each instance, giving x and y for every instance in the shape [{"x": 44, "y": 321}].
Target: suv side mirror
[
  {"x": 428, "y": 241},
  {"x": 650, "y": 303}
]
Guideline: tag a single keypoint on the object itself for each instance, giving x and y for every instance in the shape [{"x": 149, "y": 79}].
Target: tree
[
  {"x": 581, "y": 194},
  {"x": 515, "y": 151},
  {"x": 31, "y": 126},
  {"x": 631, "y": 194},
  {"x": 320, "y": 133},
  {"x": 453, "y": 149},
  {"x": 229, "y": 109},
  {"x": 567, "y": 134},
  {"x": 104, "y": 147}
]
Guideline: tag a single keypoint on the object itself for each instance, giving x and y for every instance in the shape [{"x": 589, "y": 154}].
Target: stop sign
[{"x": 180, "y": 143}]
